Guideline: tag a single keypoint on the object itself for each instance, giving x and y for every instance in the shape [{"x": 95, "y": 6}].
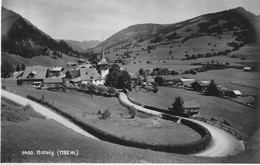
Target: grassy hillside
[
  {"x": 38, "y": 60},
  {"x": 48, "y": 135}
]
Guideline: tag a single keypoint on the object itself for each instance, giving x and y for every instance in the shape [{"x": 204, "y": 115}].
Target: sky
[{"x": 90, "y": 19}]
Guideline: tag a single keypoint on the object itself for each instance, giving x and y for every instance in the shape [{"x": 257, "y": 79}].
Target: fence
[{"x": 221, "y": 126}]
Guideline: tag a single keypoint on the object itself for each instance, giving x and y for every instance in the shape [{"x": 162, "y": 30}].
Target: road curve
[
  {"x": 222, "y": 143},
  {"x": 46, "y": 112}
]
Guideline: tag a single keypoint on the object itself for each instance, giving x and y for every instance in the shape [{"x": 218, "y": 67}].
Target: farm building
[
  {"x": 71, "y": 64},
  {"x": 223, "y": 91},
  {"x": 149, "y": 80},
  {"x": 33, "y": 74},
  {"x": 71, "y": 74},
  {"x": 247, "y": 69},
  {"x": 187, "y": 82},
  {"x": 53, "y": 82},
  {"x": 200, "y": 85},
  {"x": 56, "y": 72},
  {"x": 191, "y": 108},
  {"x": 235, "y": 93}
]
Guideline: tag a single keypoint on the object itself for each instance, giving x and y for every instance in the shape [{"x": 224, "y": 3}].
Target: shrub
[
  {"x": 102, "y": 89},
  {"x": 132, "y": 112},
  {"x": 226, "y": 123},
  {"x": 99, "y": 112},
  {"x": 3, "y": 87},
  {"x": 106, "y": 114},
  {"x": 112, "y": 90}
]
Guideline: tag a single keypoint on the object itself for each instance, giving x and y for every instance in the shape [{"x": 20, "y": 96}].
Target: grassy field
[
  {"x": 246, "y": 82},
  {"x": 241, "y": 117},
  {"x": 48, "y": 135},
  {"x": 143, "y": 128}
]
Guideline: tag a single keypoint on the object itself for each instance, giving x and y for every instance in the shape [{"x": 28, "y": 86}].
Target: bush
[
  {"x": 106, "y": 114},
  {"x": 3, "y": 87},
  {"x": 102, "y": 89},
  {"x": 112, "y": 90},
  {"x": 132, "y": 112},
  {"x": 226, "y": 123}
]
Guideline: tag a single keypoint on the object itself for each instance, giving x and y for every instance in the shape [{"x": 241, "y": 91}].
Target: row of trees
[
  {"x": 156, "y": 72},
  {"x": 7, "y": 69}
]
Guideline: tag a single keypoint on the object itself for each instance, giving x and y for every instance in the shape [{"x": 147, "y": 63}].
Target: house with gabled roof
[
  {"x": 53, "y": 82},
  {"x": 200, "y": 85},
  {"x": 56, "y": 72},
  {"x": 34, "y": 74},
  {"x": 71, "y": 74}
]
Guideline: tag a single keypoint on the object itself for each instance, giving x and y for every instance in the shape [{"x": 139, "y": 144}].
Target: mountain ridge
[{"x": 137, "y": 33}]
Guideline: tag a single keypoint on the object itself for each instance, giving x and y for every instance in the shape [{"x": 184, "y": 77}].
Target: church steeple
[
  {"x": 103, "y": 60},
  {"x": 102, "y": 53}
]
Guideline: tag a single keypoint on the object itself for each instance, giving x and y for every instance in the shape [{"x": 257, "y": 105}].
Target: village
[{"x": 82, "y": 74}]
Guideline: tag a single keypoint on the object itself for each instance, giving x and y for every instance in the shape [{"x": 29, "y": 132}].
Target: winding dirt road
[{"x": 222, "y": 143}]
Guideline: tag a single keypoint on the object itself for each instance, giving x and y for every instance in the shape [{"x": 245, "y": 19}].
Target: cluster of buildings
[
  {"x": 84, "y": 73},
  {"x": 221, "y": 90}
]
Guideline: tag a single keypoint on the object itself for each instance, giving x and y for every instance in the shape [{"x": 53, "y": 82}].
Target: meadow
[{"x": 143, "y": 128}]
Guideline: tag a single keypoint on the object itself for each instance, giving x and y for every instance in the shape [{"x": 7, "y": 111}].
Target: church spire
[
  {"x": 102, "y": 53},
  {"x": 103, "y": 60}
]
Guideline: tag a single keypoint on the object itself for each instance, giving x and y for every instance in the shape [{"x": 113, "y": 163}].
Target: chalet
[
  {"x": 200, "y": 85},
  {"x": 187, "y": 81},
  {"x": 71, "y": 64},
  {"x": 168, "y": 80},
  {"x": 33, "y": 74},
  {"x": 71, "y": 74},
  {"x": 56, "y": 72},
  {"x": 53, "y": 82},
  {"x": 222, "y": 90},
  {"x": 191, "y": 108}
]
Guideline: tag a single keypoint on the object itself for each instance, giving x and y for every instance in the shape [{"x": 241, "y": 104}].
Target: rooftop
[
  {"x": 191, "y": 104},
  {"x": 38, "y": 71},
  {"x": 89, "y": 74},
  {"x": 56, "y": 68},
  {"x": 52, "y": 80}
]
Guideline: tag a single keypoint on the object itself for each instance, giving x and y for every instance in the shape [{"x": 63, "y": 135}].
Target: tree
[
  {"x": 23, "y": 67},
  {"x": 211, "y": 89},
  {"x": 159, "y": 80},
  {"x": 119, "y": 79},
  {"x": 141, "y": 72},
  {"x": 18, "y": 68},
  {"x": 177, "y": 106},
  {"x": 124, "y": 81},
  {"x": 6, "y": 69}
]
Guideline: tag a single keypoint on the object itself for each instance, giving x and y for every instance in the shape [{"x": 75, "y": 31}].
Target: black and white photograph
[{"x": 130, "y": 81}]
